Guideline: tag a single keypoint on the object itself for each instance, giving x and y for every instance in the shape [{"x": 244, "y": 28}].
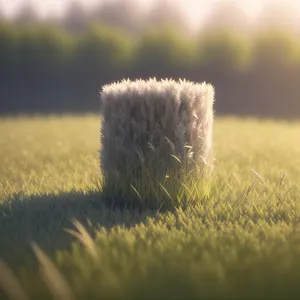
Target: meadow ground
[{"x": 239, "y": 239}]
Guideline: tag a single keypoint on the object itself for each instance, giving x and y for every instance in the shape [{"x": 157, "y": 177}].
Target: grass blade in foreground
[
  {"x": 52, "y": 277},
  {"x": 10, "y": 284}
]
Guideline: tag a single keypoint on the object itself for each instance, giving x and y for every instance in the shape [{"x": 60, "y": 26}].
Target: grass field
[{"x": 239, "y": 239}]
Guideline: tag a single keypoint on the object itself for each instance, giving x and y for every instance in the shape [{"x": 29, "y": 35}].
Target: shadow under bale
[{"x": 43, "y": 219}]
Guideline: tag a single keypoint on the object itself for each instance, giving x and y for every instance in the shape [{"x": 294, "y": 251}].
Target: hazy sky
[{"x": 194, "y": 9}]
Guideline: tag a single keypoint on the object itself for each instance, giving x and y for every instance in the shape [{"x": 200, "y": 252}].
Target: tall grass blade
[
  {"x": 10, "y": 284},
  {"x": 166, "y": 192},
  {"x": 174, "y": 156},
  {"x": 84, "y": 237},
  {"x": 258, "y": 176},
  {"x": 136, "y": 191},
  {"x": 54, "y": 280}
]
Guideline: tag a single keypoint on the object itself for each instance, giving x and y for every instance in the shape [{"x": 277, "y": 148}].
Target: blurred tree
[
  {"x": 27, "y": 14},
  {"x": 2, "y": 14},
  {"x": 54, "y": 20},
  {"x": 76, "y": 19},
  {"x": 276, "y": 49},
  {"x": 8, "y": 48},
  {"x": 125, "y": 14},
  {"x": 165, "y": 13},
  {"x": 162, "y": 53},
  {"x": 223, "y": 51},
  {"x": 100, "y": 52},
  {"x": 279, "y": 15},
  {"x": 227, "y": 15},
  {"x": 275, "y": 74},
  {"x": 28, "y": 54}
]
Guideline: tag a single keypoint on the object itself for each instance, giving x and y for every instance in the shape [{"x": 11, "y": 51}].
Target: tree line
[
  {"x": 46, "y": 69},
  {"x": 128, "y": 15},
  {"x": 131, "y": 16}
]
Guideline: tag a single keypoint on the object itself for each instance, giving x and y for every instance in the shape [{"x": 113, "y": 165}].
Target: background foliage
[{"x": 61, "y": 65}]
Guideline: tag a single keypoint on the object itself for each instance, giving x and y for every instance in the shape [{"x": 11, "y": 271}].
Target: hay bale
[{"x": 153, "y": 130}]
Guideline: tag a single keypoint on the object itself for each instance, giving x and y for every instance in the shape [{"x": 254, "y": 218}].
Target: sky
[{"x": 195, "y": 10}]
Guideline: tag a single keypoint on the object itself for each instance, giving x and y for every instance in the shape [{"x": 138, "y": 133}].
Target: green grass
[{"x": 238, "y": 239}]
